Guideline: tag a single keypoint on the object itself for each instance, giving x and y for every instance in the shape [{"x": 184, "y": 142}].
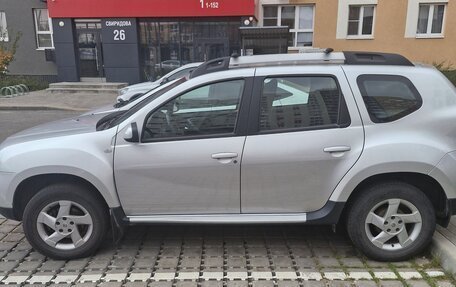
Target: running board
[
  {"x": 221, "y": 218},
  {"x": 329, "y": 214}
]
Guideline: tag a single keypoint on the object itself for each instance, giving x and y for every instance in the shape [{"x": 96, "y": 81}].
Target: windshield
[{"x": 114, "y": 120}]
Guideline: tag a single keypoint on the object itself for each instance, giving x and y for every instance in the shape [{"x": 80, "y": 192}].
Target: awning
[{"x": 149, "y": 8}]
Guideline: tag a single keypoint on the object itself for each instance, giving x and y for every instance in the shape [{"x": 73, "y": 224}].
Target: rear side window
[
  {"x": 302, "y": 103},
  {"x": 388, "y": 97}
]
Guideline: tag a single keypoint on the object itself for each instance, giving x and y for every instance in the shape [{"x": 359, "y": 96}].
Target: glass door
[{"x": 90, "y": 50}]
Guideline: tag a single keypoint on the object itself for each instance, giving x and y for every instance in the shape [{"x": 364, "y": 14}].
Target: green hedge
[
  {"x": 32, "y": 83},
  {"x": 451, "y": 75}
]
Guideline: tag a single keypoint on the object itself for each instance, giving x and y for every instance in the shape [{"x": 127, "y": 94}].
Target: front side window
[
  {"x": 3, "y": 29},
  {"x": 361, "y": 20},
  {"x": 301, "y": 102},
  {"x": 43, "y": 29},
  {"x": 205, "y": 111},
  {"x": 388, "y": 97},
  {"x": 430, "y": 19},
  {"x": 300, "y": 20}
]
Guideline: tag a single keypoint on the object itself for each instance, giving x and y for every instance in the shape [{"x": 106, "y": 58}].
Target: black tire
[
  {"x": 374, "y": 195},
  {"x": 66, "y": 192}
]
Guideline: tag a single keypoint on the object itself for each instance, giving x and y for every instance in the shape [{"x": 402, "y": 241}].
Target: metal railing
[{"x": 14, "y": 91}]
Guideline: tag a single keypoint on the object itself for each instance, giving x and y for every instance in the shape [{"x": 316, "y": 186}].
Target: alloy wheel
[
  {"x": 64, "y": 225},
  {"x": 393, "y": 224}
]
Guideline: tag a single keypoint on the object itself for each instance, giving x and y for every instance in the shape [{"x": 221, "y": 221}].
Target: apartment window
[
  {"x": 300, "y": 20},
  {"x": 43, "y": 29},
  {"x": 361, "y": 20},
  {"x": 430, "y": 20},
  {"x": 3, "y": 30}
]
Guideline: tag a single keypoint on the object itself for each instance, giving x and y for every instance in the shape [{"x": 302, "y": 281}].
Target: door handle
[
  {"x": 335, "y": 149},
  {"x": 224, "y": 155}
]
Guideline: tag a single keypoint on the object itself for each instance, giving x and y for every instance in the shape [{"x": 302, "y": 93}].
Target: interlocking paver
[
  {"x": 391, "y": 283},
  {"x": 15, "y": 255},
  {"x": 418, "y": 283},
  {"x": 409, "y": 274},
  {"x": 211, "y": 284},
  {"x": 364, "y": 283},
  {"x": 160, "y": 284},
  {"x": 212, "y": 276},
  {"x": 218, "y": 256}
]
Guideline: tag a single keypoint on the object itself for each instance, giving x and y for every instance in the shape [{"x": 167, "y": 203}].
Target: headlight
[{"x": 123, "y": 91}]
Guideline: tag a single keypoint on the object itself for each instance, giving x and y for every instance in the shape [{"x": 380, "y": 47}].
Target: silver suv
[{"x": 366, "y": 140}]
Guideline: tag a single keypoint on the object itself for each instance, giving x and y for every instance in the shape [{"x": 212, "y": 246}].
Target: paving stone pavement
[{"x": 214, "y": 256}]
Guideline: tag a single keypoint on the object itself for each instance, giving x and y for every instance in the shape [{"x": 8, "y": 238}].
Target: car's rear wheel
[
  {"x": 65, "y": 221},
  {"x": 391, "y": 221}
]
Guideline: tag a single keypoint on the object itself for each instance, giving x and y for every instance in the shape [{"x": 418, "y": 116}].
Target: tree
[{"x": 7, "y": 53}]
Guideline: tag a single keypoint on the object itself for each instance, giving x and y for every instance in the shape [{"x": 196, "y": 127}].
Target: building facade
[
  {"x": 137, "y": 40},
  {"x": 28, "y": 20},
  {"x": 422, "y": 30}
]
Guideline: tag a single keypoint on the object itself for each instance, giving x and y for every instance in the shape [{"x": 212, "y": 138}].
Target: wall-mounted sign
[
  {"x": 121, "y": 30},
  {"x": 149, "y": 8}
]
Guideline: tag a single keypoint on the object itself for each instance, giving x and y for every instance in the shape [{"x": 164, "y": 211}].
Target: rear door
[{"x": 305, "y": 133}]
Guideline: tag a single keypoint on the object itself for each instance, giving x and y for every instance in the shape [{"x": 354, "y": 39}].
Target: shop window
[
  {"x": 43, "y": 29},
  {"x": 430, "y": 20},
  {"x": 300, "y": 20},
  {"x": 3, "y": 31},
  {"x": 361, "y": 21},
  {"x": 167, "y": 45}
]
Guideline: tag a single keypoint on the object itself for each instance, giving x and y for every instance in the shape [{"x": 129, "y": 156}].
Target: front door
[
  {"x": 90, "y": 51},
  {"x": 188, "y": 161},
  {"x": 303, "y": 142}
]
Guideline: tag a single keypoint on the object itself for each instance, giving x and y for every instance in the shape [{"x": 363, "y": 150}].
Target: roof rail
[
  {"x": 223, "y": 64},
  {"x": 372, "y": 58},
  {"x": 314, "y": 57}
]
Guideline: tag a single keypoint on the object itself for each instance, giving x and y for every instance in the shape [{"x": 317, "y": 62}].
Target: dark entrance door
[
  {"x": 208, "y": 49},
  {"x": 90, "y": 50}
]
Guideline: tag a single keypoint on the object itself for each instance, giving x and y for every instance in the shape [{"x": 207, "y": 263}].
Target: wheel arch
[
  {"x": 31, "y": 185},
  {"x": 427, "y": 184}
]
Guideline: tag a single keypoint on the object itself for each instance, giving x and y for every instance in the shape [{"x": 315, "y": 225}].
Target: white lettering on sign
[
  {"x": 208, "y": 4},
  {"x": 124, "y": 23},
  {"x": 119, "y": 35}
]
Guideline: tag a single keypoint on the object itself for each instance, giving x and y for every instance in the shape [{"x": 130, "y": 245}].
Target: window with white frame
[
  {"x": 300, "y": 20},
  {"x": 3, "y": 30},
  {"x": 430, "y": 20},
  {"x": 43, "y": 29},
  {"x": 361, "y": 21}
]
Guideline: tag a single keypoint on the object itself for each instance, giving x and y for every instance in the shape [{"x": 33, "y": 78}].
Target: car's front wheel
[
  {"x": 65, "y": 221},
  {"x": 391, "y": 221}
]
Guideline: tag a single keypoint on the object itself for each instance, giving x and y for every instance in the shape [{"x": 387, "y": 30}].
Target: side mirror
[
  {"x": 164, "y": 81},
  {"x": 132, "y": 134}
]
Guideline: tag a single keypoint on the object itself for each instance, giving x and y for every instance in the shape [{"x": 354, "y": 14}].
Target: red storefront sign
[{"x": 149, "y": 8}]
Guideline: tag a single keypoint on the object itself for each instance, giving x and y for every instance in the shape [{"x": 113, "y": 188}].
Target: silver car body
[{"x": 281, "y": 177}]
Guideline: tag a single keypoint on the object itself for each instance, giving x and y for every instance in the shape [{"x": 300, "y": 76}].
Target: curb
[
  {"x": 40, "y": 108},
  {"x": 445, "y": 251}
]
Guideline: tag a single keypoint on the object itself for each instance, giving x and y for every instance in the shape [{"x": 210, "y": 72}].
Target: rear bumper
[{"x": 452, "y": 206}]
